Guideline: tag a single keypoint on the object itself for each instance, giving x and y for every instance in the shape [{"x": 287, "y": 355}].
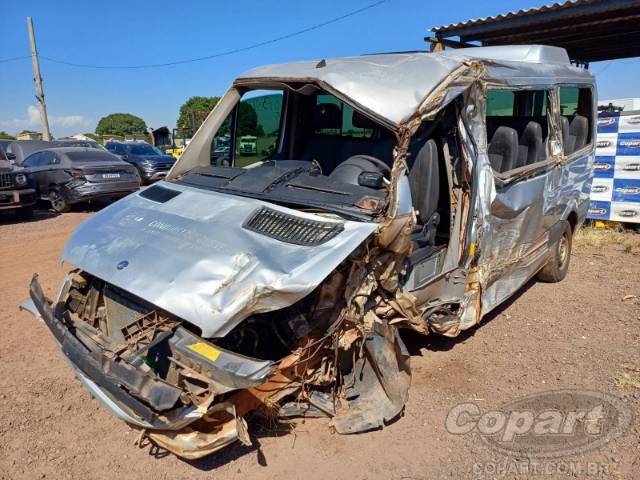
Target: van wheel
[
  {"x": 556, "y": 268},
  {"x": 58, "y": 202}
]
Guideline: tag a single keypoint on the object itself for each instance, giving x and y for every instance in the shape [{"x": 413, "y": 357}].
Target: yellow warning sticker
[{"x": 206, "y": 350}]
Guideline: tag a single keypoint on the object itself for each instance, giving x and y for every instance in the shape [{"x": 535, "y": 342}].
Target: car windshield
[
  {"x": 143, "y": 149},
  {"x": 307, "y": 161}
]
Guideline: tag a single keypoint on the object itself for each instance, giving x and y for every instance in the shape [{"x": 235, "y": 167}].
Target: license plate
[{"x": 110, "y": 175}]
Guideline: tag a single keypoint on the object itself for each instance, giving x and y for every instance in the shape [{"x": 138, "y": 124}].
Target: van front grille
[{"x": 291, "y": 229}]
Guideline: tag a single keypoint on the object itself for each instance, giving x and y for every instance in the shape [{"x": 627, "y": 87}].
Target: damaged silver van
[{"x": 406, "y": 190}]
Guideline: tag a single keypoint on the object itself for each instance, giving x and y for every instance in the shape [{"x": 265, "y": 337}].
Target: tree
[
  {"x": 5, "y": 136},
  {"x": 247, "y": 116},
  {"x": 195, "y": 104},
  {"x": 248, "y": 121},
  {"x": 121, "y": 124}
]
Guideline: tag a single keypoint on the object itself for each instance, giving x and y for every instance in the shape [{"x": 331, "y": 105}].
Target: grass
[
  {"x": 589, "y": 236},
  {"x": 629, "y": 380}
]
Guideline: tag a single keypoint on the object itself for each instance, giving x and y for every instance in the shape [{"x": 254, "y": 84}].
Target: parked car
[
  {"x": 151, "y": 163},
  {"x": 17, "y": 190},
  {"x": 408, "y": 190},
  {"x": 73, "y": 142},
  {"x": 67, "y": 175},
  {"x": 18, "y": 150}
]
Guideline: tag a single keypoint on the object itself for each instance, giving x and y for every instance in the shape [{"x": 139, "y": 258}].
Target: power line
[
  {"x": 13, "y": 59},
  {"x": 219, "y": 54}
]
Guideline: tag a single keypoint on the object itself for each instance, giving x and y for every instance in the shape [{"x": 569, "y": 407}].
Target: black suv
[
  {"x": 17, "y": 190},
  {"x": 151, "y": 163}
]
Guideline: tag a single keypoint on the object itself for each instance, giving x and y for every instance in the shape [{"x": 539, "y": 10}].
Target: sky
[{"x": 134, "y": 32}]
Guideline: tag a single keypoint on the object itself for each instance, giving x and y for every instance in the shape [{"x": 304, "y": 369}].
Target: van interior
[
  {"x": 323, "y": 155},
  {"x": 518, "y": 127}
]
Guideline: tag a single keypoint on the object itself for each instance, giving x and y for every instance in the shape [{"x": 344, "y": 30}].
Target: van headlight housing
[{"x": 21, "y": 179}]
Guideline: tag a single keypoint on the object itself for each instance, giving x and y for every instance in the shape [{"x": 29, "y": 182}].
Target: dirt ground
[{"x": 576, "y": 334}]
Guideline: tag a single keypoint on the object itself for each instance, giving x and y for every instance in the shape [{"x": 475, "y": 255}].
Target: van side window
[
  {"x": 517, "y": 128},
  {"x": 576, "y": 106}
]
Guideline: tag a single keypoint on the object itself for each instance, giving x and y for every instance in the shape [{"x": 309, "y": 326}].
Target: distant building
[
  {"x": 29, "y": 136},
  {"x": 625, "y": 103},
  {"x": 82, "y": 137}
]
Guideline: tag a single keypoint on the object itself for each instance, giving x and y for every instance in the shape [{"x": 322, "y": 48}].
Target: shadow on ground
[{"x": 417, "y": 343}]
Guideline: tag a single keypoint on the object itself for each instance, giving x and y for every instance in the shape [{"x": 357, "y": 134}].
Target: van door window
[
  {"x": 517, "y": 128},
  {"x": 253, "y": 127},
  {"x": 576, "y": 108}
]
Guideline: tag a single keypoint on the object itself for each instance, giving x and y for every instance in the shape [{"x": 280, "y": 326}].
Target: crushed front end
[{"x": 334, "y": 353}]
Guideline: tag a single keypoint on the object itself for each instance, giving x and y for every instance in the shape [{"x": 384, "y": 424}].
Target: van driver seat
[{"x": 424, "y": 182}]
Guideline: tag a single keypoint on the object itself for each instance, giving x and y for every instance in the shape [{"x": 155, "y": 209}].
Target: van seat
[
  {"x": 503, "y": 149},
  {"x": 567, "y": 139},
  {"x": 574, "y": 133},
  {"x": 579, "y": 128},
  {"x": 325, "y": 148},
  {"x": 531, "y": 148}
]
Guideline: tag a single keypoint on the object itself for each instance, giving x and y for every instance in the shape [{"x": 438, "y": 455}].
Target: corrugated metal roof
[
  {"x": 519, "y": 13},
  {"x": 590, "y": 30}
]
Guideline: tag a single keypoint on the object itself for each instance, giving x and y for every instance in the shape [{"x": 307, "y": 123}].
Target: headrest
[
  {"x": 503, "y": 149},
  {"x": 327, "y": 115},
  {"x": 532, "y": 134},
  {"x": 360, "y": 121}
]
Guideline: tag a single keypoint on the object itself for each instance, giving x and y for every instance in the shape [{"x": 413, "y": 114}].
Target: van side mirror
[
  {"x": 371, "y": 179},
  {"x": 125, "y": 157}
]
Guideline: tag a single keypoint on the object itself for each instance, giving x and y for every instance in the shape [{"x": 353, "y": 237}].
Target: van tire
[{"x": 558, "y": 264}]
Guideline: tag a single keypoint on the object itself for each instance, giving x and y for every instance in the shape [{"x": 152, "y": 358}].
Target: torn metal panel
[
  {"x": 213, "y": 272},
  {"x": 219, "y": 427},
  {"x": 376, "y": 389}
]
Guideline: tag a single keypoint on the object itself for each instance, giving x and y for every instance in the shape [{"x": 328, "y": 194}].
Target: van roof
[{"x": 393, "y": 86}]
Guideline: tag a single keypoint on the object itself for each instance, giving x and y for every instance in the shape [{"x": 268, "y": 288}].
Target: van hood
[{"x": 192, "y": 256}]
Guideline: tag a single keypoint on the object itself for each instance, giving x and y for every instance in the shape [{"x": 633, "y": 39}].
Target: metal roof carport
[{"x": 590, "y": 30}]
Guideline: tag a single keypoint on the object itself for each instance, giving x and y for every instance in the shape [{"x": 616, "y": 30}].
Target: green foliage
[
  {"x": 248, "y": 121},
  {"x": 195, "y": 104},
  {"x": 247, "y": 116},
  {"x": 5, "y": 136},
  {"x": 121, "y": 124}
]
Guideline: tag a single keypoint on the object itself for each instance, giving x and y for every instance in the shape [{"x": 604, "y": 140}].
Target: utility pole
[{"x": 46, "y": 135}]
